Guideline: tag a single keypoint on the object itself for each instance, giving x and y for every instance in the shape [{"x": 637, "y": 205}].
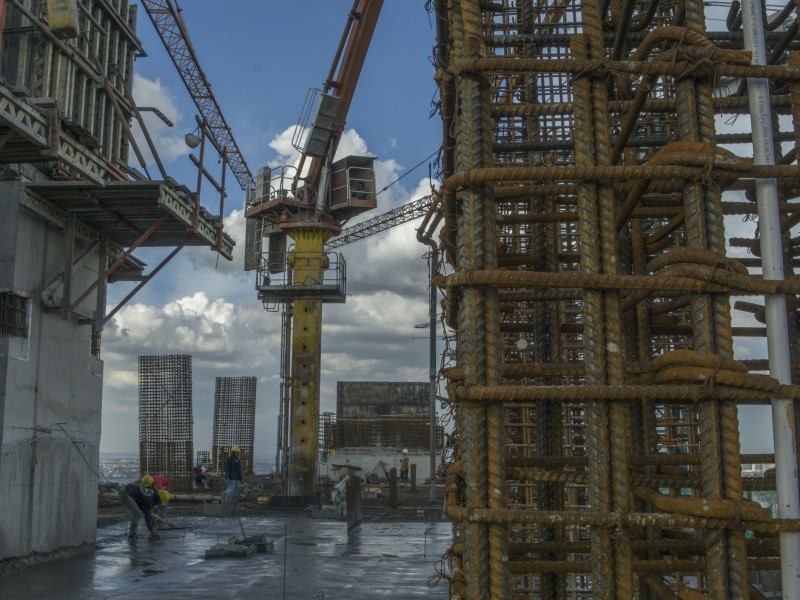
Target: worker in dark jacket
[
  {"x": 233, "y": 473},
  {"x": 140, "y": 499}
]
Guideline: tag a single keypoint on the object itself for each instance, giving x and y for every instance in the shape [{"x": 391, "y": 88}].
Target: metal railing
[{"x": 277, "y": 288}]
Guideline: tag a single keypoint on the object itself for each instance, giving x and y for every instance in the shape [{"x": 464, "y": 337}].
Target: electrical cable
[{"x": 409, "y": 171}]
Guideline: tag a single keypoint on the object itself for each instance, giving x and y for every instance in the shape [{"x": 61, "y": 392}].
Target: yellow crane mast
[{"x": 309, "y": 204}]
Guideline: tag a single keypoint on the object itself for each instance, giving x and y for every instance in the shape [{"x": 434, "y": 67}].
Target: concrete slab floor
[{"x": 381, "y": 560}]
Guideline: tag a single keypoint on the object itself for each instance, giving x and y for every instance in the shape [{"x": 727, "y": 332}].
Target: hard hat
[
  {"x": 236, "y": 449},
  {"x": 164, "y": 495},
  {"x": 405, "y": 451},
  {"x": 147, "y": 481}
]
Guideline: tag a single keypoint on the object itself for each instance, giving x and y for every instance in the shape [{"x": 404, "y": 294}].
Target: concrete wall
[{"x": 48, "y": 482}]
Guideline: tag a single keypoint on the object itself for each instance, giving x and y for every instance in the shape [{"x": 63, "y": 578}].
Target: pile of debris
[{"x": 241, "y": 547}]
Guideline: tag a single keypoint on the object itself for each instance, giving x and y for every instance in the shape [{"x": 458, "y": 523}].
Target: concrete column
[
  {"x": 307, "y": 263},
  {"x": 9, "y": 214}
]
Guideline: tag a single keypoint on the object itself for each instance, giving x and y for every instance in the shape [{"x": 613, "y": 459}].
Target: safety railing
[{"x": 330, "y": 285}]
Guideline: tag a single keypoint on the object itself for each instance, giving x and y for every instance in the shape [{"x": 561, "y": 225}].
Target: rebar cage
[
  {"x": 165, "y": 417},
  {"x": 588, "y": 175},
  {"x": 234, "y": 421}
]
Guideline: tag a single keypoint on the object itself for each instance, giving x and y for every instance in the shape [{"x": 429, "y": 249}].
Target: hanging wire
[{"x": 409, "y": 171}]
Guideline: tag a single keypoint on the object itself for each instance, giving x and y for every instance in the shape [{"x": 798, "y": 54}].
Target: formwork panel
[
  {"x": 234, "y": 421},
  {"x": 165, "y": 417}
]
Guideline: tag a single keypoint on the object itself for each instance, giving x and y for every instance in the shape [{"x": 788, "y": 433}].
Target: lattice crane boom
[
  {"x": 171, "y": 28},
  {"x": 392, "y": 218}
]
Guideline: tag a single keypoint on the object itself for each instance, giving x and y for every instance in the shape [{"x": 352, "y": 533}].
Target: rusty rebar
[{"x": 590, "y": 293}]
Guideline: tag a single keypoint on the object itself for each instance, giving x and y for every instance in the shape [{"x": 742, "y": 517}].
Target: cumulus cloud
[
  {"x": 194, "y": 324},
  {"x": 223, "y": 338}
]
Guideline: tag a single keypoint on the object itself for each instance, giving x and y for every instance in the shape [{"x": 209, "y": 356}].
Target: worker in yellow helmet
[
  {"x": 233, "y": 473},
  {"x": 140, "y": 499}
]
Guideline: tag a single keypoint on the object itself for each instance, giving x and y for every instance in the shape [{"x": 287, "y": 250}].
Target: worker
[
  {"x": 404, "y": 465},
  {"x": 161, "y": 482},
  {"x": 140, "y": 499},
  {"x": 199, "y": 477},
  {"x": 233, "y": 473}
]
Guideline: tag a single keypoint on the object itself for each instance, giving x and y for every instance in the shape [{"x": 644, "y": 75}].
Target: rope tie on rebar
[{"x": 595, "y": 69}]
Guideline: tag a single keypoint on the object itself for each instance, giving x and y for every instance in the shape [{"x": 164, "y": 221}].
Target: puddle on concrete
[{"x": 379, "y": 560}]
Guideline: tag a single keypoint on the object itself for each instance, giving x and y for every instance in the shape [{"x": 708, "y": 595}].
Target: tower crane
[{"x": 309, "y": 203}]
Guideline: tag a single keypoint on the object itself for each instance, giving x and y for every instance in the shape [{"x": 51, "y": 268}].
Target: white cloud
[
  {"x": 194, "y": 324},
  {"x": 224, "y": 339}
]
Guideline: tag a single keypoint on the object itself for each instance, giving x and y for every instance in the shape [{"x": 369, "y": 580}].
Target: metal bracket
[
  {"x": 103, "y": 277},
  {"x": 121, "y": 304}
]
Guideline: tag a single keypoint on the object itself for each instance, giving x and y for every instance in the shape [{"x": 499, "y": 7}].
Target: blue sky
[{"x": 261, "y": 58}]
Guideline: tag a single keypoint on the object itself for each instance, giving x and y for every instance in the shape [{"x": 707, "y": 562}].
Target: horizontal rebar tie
[
  {"x": 680, "y": 394},
  {"x": 613, "y": 173},
  {"x": 613, "y": 520},
  {"x": 680, "y": 69},
  {"x": 692, "y": 279}
]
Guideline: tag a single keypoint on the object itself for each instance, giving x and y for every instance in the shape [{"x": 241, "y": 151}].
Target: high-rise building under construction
[
  {"x": 234, "y": 421},
  {"x": 165, "y": 417}
]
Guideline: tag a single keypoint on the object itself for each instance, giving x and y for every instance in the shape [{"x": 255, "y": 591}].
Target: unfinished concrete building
[
  {"x": 595, "y": 390},
  {"x": 234, "y": 421},
  {"x": 73, "y": 212},
  {"x": 375, "y": 421},
  {"x": 166, "y": 423}
]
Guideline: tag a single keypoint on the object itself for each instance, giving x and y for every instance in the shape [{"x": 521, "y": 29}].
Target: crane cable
[{"x": 411, "y": 170}]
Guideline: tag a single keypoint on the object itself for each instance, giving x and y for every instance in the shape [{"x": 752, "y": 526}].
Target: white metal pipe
[
  {"x": 769, "y": 223},
  {"x": 432, "y": 356}
]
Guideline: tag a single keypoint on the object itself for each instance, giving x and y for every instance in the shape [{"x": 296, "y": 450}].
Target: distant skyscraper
[
  {"x": 234, "y": 420},
  {"x": 165, "y": 417}
]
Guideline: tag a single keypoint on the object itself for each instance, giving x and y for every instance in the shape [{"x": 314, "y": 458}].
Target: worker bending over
[
  {"x": 141, "y": 500},
  {"x": 233, "y": 473}
]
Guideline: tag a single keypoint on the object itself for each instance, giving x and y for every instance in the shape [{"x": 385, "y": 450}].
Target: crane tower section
[{"x": 308, "y": 203}]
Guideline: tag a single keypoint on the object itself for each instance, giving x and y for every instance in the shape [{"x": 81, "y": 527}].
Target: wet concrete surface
[{"x": 380, "y": 560}]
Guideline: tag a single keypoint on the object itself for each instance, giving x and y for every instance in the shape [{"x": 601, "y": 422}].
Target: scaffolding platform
[
  {"x": 123, "y": 211},
  {"x": 28, "y": 134},
  {"x": 280, "y": 287}
]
